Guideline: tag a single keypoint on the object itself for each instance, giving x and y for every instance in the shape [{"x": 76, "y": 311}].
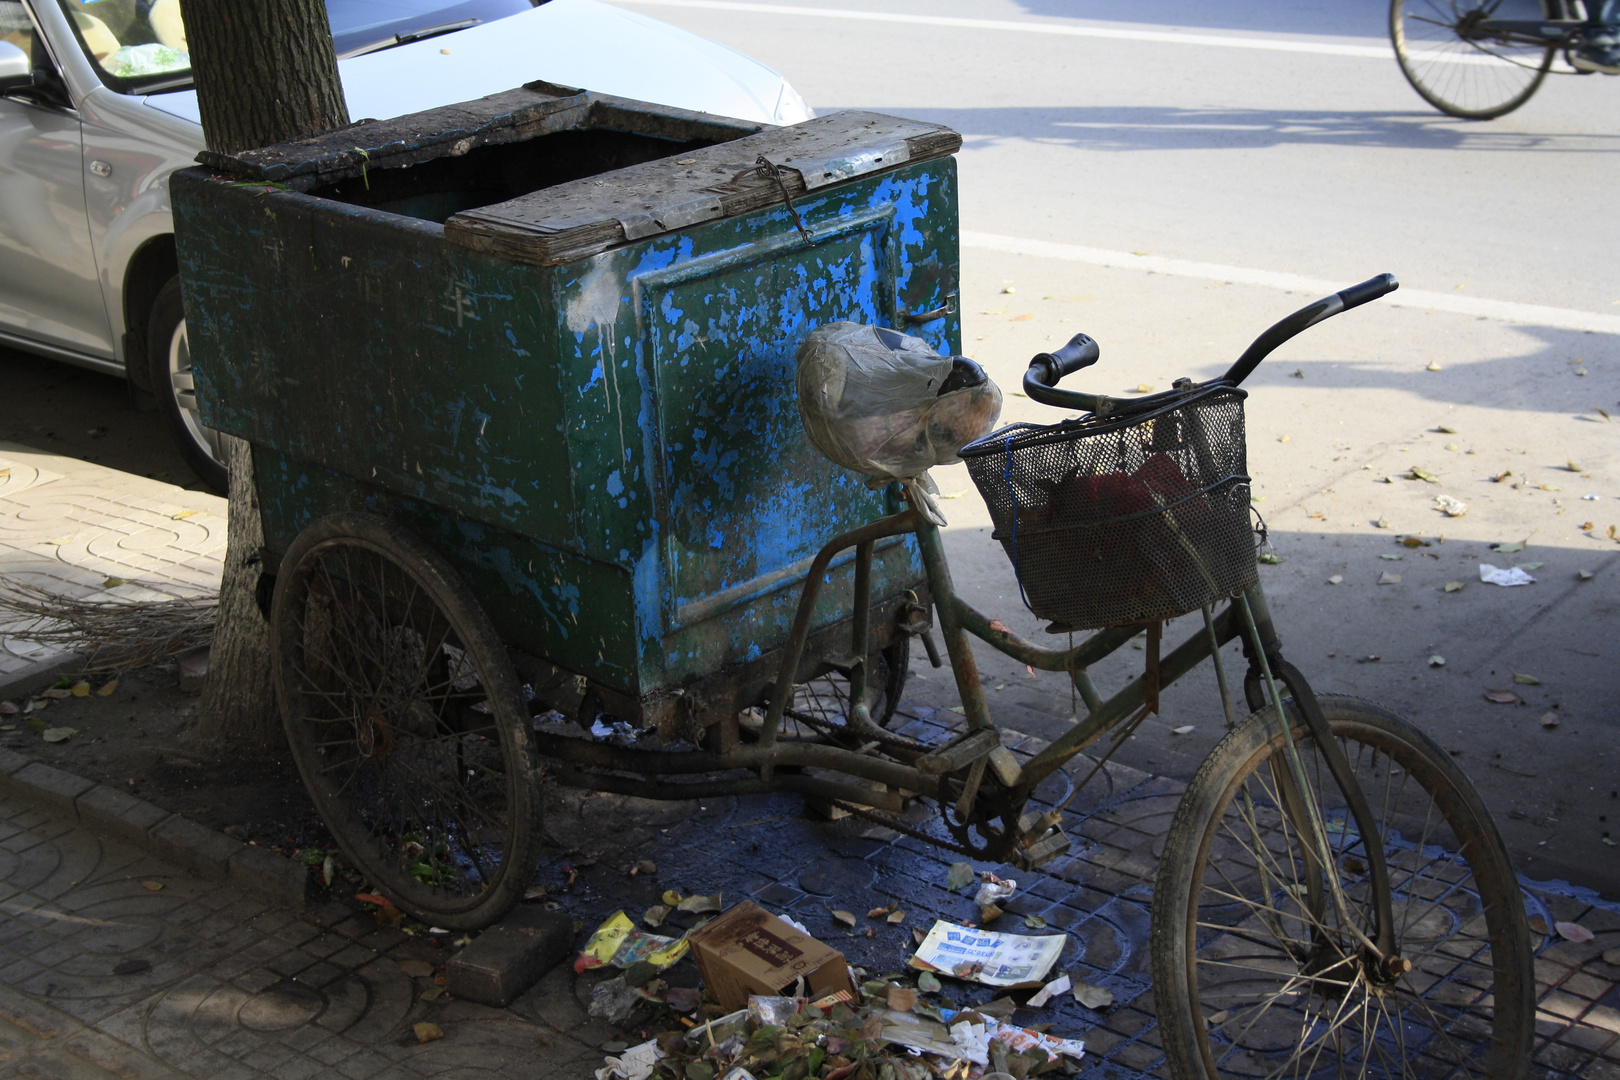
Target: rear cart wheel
[
  {"x": 406, "y": 720},
  {"x": 1258, "y": 972},
  {"x": 1459, "y": 66}
]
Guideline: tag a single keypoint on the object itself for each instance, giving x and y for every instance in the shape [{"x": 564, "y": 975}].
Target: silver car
[{"x": 97, "y": 110}]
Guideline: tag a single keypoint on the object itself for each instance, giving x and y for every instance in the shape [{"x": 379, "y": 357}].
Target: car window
[
  {"x": 131, "y": 40},
  {"x": 140, "y": 45}
]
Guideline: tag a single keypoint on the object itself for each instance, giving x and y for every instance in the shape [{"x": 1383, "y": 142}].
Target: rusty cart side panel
[{"x": 607, "y": 447}]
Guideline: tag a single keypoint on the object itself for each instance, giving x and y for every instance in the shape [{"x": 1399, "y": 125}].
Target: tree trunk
[{"x": 265, "y": 72}]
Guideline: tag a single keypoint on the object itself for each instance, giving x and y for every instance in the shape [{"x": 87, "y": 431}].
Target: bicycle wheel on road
[
  {"x": 1257, "y": 972},
  {"x": 406, "y": 720},
  {"x": 1460, "y": 69}
]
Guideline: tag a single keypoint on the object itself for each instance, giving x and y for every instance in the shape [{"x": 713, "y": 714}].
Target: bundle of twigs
[{"x": 113, "y": 635}]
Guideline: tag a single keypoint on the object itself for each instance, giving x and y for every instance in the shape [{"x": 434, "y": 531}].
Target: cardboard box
[{"x": 747, "y": 950}]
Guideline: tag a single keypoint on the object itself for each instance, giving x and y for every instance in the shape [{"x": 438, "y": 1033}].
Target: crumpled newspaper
[{"x": 1511, "y": 575}]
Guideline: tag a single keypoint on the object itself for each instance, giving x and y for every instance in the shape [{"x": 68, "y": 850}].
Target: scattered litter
[
  {"x": 985, "y": 957},
  {"x": 1453, "y": 586},
  {"x": 994, "y": 889},
  {"x": 1572, "y": 931},
  {"x": 1451, "y": 507},
  {"x": 618, "y": 732},
  {"x": 634, "y": 1063},
  {"x": 747, "y": 950},
  {"x": 1437, "y": 660},
  {"x": 1387, "y": 578},
  {"x": 1502, "y": 697},
  {"x": 1059, "y": 985},
  {"x": 1583, "y": 575},
  {"x": 1512, "y": 575},
  {"x": 618, "y": 943},
  {"x": 1336, "y": 579},
  {"x": 1590, "y": 498},
  {"x": 1549, "y": 720}
]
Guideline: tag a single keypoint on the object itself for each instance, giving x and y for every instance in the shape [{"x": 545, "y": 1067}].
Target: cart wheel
[
  {"x": 406, "y": 720},
  {"x": 821, "y": 706}
]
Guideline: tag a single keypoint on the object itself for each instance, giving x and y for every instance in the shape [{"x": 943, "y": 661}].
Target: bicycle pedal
[{"x": 957, "y": 755}]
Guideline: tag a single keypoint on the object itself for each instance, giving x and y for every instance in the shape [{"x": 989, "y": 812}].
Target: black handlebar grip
[
  {"x": 1369, "y": 290},
  {"x": 1081, "y": 352}
]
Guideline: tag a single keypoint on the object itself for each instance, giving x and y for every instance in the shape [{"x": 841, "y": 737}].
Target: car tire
[{"x": 170, "y": 361}]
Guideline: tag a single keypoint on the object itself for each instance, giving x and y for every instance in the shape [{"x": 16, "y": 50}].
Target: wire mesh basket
[{"x": 1123, "y": 519}]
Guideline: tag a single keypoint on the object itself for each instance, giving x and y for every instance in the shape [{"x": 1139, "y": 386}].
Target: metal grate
[{"x": 1123, "y": 520}]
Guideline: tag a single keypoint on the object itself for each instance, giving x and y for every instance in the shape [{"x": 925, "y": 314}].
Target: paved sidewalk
[
  {"x": 87, "y": 531},
  {"x": 112, "y": 963}
]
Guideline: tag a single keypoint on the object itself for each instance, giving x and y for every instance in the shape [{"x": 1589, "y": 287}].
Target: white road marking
[
  {"x": 1168, "y": 37},
  {"x": 1500, "y": 310}
]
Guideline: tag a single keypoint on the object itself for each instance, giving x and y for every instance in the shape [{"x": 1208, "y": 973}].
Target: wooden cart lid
[
  {"x": 583, "y": 217},
  {"x": 530, "y": 111}
]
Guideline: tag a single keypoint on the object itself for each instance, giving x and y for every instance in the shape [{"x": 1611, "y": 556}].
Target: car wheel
[{"x": 167, "y": 352}]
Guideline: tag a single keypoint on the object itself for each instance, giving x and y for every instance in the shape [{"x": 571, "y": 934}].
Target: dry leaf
[
  {"x": 1336, "y": 579},
  {"x": 1382, "y": 523},
  {"x": 843, "y": 918},
  {"x": 1611, "y": 956},
  {"x": 1022, "y": 318},
  {"x": 108, "y": 689},
  {"x": 901, "y": 998},
  {"x": 655, "y": 915},
  {"x": 1271, "y": 558},
  {"x": 1501, "y": 697},
  {"x": 1415, "y": 473},
  {"x": 1387, "y": 578},
  {"x": 114, "y": 582},
  {"x": 58, "y": 734},
  {"x": 1442, "y": 429},
  {"x": 1549, "y": 720},
  {"x": 1143, "y": 388},
  {"x": 960, "y": 876},
  {"x": 644, "y": 866},
  {"x": 1093, "y": 997},
  {"x": 56, "y": 693},
  {"x": 1285, "y": 438},
  {"x": 81, "y": 689},
  {"x": 1526, "y": 680},
  {"x": 1437, "y": 660},
  {"x": 416, "y": 969},
  {"x": 1508, "y": 549},
  {"x": 1034, "y": 922},
  {"x": 1390, "y": 558},
  {"x": 700, "y": 905},
  {"x": 1434, "y": 365},
  {"x": 879, "y": 912},
  {"x": 895, "y": 918},
  {"x": 1583, "y": 575},
  {"x": 152, "y": 886},
  {"x": 671, "y": 897},
  {"x": 1184, "y": 729},
  {"x": 1569, "y": 464},
  {"x": 1453, "y": 586},
  {"x": 928, "y": 983},
  {"x": 989, "y": 913},
  {"x": 426, "y": 1032},
  {"x": 182, "y": 515},
  {"x": 1571, "y": 931}
]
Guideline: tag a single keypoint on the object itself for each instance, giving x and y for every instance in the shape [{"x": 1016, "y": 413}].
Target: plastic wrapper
[{"x": 887, "y": 405}]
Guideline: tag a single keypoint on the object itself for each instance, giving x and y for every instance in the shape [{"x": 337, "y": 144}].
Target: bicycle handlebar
[{"x": 1045, "y": 369}]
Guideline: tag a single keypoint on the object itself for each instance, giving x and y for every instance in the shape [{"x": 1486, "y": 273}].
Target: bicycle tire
[
  {"x": 1254, "y": 972},
  {"x": 1462, "y": 74},
  {"x": 406, "y": 720},
  {"x": 822, "y": 704}
]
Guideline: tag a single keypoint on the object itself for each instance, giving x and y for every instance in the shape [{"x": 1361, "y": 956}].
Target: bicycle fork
[{"x": 1267, "y": 666}]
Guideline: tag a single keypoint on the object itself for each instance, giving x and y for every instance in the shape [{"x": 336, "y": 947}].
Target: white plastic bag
[{"x": 886, "y": 404}]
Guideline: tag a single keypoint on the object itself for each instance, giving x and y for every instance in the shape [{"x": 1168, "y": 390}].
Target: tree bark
[{"x": 265, "y": 72}]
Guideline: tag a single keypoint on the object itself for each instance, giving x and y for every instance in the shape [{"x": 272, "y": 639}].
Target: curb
[
  {"x": 171, "y": 837},
  {"x": 40, "y": 674}
]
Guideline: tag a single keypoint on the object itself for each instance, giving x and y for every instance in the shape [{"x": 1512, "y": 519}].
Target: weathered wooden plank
[{"x": 583, "y": 217}]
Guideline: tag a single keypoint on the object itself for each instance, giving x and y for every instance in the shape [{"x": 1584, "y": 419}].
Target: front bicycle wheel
[
  {"x": 1258, "y": 971},
  {"x": 1457, "y": 63}
]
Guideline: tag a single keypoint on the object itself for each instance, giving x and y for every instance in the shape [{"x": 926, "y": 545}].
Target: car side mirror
[{"x": 16, "y": 70}]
